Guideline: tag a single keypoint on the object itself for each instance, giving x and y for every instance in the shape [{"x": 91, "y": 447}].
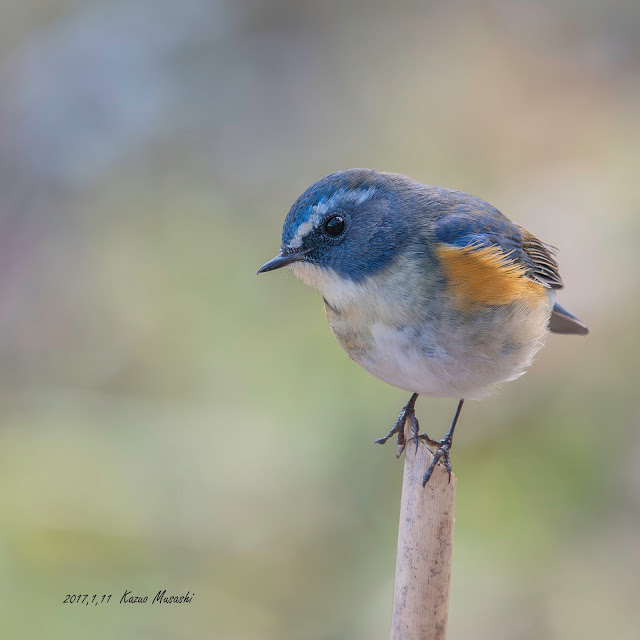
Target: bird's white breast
[
  {"x": 423, "y": 345},
  {"x": 397, "y": 357},
  {"x": 460, "y": 363}
]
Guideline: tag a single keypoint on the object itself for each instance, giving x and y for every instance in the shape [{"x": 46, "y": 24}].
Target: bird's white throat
[{"x": 337, "y": 291}]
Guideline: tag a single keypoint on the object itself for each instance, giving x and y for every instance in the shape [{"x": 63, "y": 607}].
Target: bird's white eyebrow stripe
[
  {"x": 352, "y": 196},
  {"x": 303, "y": 230},
  {"x": 355, "y": 196}
]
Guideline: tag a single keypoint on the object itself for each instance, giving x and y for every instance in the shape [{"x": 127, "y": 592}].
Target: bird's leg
[
  {"x": 444, "y": 447},
  {"x": 408, "y": 412}
]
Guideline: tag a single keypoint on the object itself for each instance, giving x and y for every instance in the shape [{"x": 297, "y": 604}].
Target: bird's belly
[
  {"x": 403, "y": 359},
  {"x": 454, "y": 357}
]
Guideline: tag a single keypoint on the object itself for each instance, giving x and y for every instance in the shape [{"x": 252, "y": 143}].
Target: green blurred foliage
[{"x": 172, "y": 421}]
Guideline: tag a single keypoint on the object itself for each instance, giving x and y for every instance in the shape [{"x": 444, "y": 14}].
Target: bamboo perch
[{"x": 425, "y": 543}]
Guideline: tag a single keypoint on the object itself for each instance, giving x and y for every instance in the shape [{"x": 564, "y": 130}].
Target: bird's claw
[
  {"x": 442, "y": 447},
  {"x": 441, "y": 455},
  {"x": 408, "y": 413}
]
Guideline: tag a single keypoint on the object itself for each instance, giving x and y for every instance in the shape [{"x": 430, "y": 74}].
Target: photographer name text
[{"x": 128, "y": 597}]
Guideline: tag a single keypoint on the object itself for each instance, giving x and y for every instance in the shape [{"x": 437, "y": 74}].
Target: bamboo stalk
[{"x": 425, "y": 543}]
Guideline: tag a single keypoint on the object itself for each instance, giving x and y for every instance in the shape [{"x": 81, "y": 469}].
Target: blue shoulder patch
[
  {"x": 471, "y": 222},
  {"x": 479, "y": 226}
]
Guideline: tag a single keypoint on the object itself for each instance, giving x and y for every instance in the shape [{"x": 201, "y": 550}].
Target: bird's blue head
[{"x": 349, "y": 224}]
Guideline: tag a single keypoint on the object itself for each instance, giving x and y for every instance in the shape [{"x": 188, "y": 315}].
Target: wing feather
[{"x": 476, "y": 225}]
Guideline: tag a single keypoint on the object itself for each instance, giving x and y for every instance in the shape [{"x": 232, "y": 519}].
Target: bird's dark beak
[{"x": 282, "y": 260}]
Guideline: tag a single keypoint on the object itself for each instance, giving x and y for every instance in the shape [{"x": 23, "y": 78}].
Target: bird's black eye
[{"x": 334, "y": 226}]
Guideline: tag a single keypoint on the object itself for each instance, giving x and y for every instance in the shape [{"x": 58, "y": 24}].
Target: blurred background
[{"x": 171, "y": 421}]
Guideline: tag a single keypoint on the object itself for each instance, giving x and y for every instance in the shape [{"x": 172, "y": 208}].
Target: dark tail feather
[{"x": 564, "y": 322}]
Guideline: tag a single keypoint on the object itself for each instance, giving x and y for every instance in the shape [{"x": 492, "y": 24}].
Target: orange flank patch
[{"x": 486, "y": 276}]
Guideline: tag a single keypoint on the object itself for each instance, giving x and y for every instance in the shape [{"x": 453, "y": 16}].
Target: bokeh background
[{"x": 171, "y": 421}]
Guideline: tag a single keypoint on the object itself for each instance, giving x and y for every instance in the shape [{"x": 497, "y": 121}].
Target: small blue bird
[{"x": 429, "y": 289}]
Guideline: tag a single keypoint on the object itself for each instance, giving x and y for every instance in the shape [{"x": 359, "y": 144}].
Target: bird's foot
[
  {"x": 408, "y": 413},
  {"x": 443, "y": 448}
]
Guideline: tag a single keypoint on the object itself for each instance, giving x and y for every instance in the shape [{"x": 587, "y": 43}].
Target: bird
[{"x": 429, "y": 289}]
